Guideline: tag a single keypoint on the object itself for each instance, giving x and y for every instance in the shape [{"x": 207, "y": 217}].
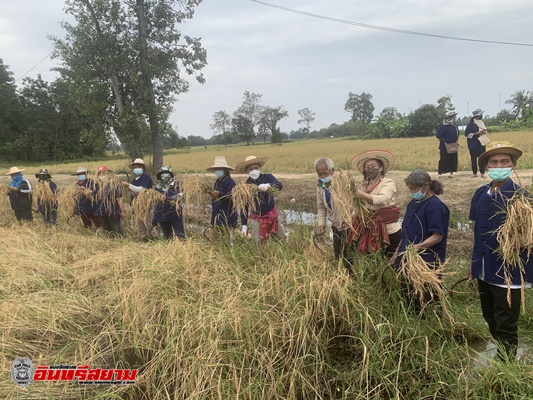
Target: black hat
[{"x": 42, "y": 172}]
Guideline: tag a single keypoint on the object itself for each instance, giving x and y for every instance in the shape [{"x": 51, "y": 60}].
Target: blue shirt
[
  {"x": 86, "y": 206},
  {"x": 421, "y": 220},
  {"x": 448, "y": 134},
  {"x": 264, "y": 201},
  {"x": 486, "y": 212},
  {"x": 144, "y": 181},
  {"x": 222, "y": 207},
  {"x": 473, "y": 144},
  {"x": 166, "y": 212},
  {"x": 21, "y": 200}
]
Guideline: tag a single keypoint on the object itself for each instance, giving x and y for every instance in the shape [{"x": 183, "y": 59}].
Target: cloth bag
[{"x": 452, "y": 148}]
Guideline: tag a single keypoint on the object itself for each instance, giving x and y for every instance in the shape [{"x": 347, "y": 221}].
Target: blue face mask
[
  {"x": 418, "y": 195},
  {"x": 82, "y": 178},
  {"x": 138, "y": 171},
  {"x": 327, "y": 179},
  {"x": 500, "y": 174},
  {"x": 219, "y": 173}
]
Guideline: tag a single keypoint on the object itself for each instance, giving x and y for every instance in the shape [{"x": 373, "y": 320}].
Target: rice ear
[
  {"x": 243, "y": 197},
  {"x": 145, "y": 202}
]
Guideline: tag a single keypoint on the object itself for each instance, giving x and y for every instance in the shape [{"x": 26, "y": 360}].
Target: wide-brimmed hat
[
  {"x": 42, "y": 171},
  {"x": 137, "y": 161},
  {"x": 451, "y": 115},
  {"x": 250, "y": 160},
  {"x": 477, "y": 112},
  {"x": 498, "y": 147},
  {"x": 14, "y": 170},
  {"x": 220, "y": 163},
  {"x": 386, "y": 157},
  {"x": 164, "y": 170},
  {"x": 80, "y": 171}
]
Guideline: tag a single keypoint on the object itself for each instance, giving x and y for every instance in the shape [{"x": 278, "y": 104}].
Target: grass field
[{"x": 203, "y": 320}]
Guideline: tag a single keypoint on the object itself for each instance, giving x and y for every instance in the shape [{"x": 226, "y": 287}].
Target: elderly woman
[
  {"x": 448, "y": 136},
  {"x": 264, "y": 221},
  {"x": 223, "y": 217},
  {"x": 383, "y": 232}
]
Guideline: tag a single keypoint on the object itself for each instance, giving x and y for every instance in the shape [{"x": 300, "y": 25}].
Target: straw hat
[
  {"x": 43, "y": 171},
  {"x": 80, "y": 171},
  {"x": 250, "y": 160},
  {"x": 220, "y": 163},
  {"x": 14, "y": 170},
  {"x": 137, "y": 161},
  {"x": 359, "y": 160},
  {"x": 498, "y": 147}
]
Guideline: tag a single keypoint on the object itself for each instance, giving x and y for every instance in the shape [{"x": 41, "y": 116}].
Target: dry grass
[
  {"x": 43, "y": 194},
  {"x": 243, "y": 196},
  {"x": 195, "y": 189},
  {"x": 343, "y": 193},
  {"x": 69, "y": 197},
  {"x": 145, "y": 202}
]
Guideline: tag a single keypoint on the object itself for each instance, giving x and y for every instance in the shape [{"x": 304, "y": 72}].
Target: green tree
[
  {"x": 306, "y": 119},
  {"x": 10, "y": 113},
  {"x": 361, "y": 107},
  {"x": 521, "y": 100},
  {"x": 127, "y": 59},
  {"x": 222, "y": 125},
  {"x": 424, "y": 121},
  {"x": 243, "y": 127},
  {"x": 250, "y": 111},
  {"x": 268, "y": 121},
  {"x": 445, "y": 106}
]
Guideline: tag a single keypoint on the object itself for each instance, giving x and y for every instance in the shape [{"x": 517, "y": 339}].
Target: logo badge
[{"x": 22, "y": 371}]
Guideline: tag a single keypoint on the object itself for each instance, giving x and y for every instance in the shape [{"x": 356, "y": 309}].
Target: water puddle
[{"x": 298, "y": 217}]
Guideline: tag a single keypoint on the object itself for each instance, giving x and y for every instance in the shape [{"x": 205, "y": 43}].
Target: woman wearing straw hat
[
  {"x": 109, "y": 201},
  {"x": 264, "y": 222},
  {"x": 384, "y": 233},
  {"x": 448, "y": 136},
  {"x": 500, "y": 297},
  {"x": 46, "y": 206},
  {"x": 20, "y": 195},
  {"x": 474, "y": 132},
  {"x": 223, "y": 217},
  {"x": 168, "y": 214},
  {"x": 85, "y": 206},
  {"x": 142, "y": 181}
]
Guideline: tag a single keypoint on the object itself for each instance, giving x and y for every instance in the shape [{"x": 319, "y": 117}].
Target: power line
[
  {"x": 32, "y": 68},
  {"x": 384, "y": 28}
]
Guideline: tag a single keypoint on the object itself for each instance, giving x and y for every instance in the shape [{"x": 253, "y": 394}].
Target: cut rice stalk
[
  {"x": 43, "y": 194},
  {"x": 343, "y": 193},
  {"x": 196, "y": 190},
  {"x": 243, "y": 196},
  {"x": 69, "y": 197},
  {"x": 145, "y": 202}
]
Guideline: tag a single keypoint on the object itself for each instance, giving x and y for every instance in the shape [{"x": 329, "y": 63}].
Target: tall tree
[
  {"x": 306, "y": 119},
  {"x": 127, "y": 58},
  {"x": 521, "y": 100},
  {"x": 361, "y": 107},
  {"x": 243, "y": 127},
  {"x": 10, "y": 115},
  {"x": 424, "y": 121},
  {"x": 270, "y": 116},
  {"x": 251, "y": 110},
  {"x": 445, "y": 106},
  {"x": 222, "y": 125}
]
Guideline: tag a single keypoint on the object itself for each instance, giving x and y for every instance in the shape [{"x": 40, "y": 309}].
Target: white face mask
[{"x": 254, "y": 174}]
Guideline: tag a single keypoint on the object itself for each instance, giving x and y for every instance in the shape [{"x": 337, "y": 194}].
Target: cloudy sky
[{"x": 299, "y": 61}]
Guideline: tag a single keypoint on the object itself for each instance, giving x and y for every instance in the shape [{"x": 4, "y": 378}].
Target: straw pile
[
  {"x": 243, "y": 198},
  {"x": 145, "y": 202},
  {"x": 196, "y": 189},
  {"x": 43, "y": 194},
  {"x": 423, "y": 278},
  {"x": 343, "y": 194},
  {"x": 70, "y": 196}
]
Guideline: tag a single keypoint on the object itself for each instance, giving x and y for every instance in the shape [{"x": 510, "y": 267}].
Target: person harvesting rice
[
  {"x": 223, "y": 217},
  {"x": 264, "y": 212},
  {"x": 381, "y": 231},
  {"x": 499, "y": 283},
  {"x": 108, "y": 196},
  {"x": 85, "y": 205},
  {"x": 142, "y": 181},
  {"x": 45, "y": 194},
  {"x": 169, "y": 213},
  {"x": 20, "y": 195},
  {"x": 425, "y": 230}
]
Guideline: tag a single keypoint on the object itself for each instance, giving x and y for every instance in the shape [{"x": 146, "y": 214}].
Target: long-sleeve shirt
[
  {"x": 383, "y": 196},
  {"x": 45, "y": 207},
  {"x": 472, "y": 136},
  {"x": 448, "y": 134},
  {"x": 326, "y": 208},
  {"x": 486, "y": 211},
  {"x": 85, "y": 205},
  {"x": 264, "y": 201},
  {"x": 167, "y": 211},
  {"x": 139, "y": 183},
  {"x": 107, "y": 203},
  {"x": 21, "y": 199},
  {"x": 222, "y": 207}
]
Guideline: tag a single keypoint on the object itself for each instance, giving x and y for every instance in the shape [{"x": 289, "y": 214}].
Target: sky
[{"x": 297, "y": 61}]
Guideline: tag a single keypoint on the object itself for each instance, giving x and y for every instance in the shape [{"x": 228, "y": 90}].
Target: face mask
[
  {"x": 371, "y": 173},
  {"x": 82, "y": 178},
  {"x": 138, "y": 171},
  {"x": 219, "y": 173},
  {"x": 327, "y": 179},
  {"x": 500, "y": 174},
  {"x": 418, "y": 195},
  {"x": 254, "y": 174}
]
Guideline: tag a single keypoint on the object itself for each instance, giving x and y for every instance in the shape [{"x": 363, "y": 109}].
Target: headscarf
[{"x": 16, "y": 180}]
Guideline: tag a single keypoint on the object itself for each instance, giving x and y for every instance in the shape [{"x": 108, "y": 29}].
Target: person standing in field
[
  {"x": 425, "y": 226},
  {"x": 264, "y": 222},
  {"x": 448, "y": 136},
  {"x": 20, "y": 195},
  {"x": 86, "y": 206},
  {"x": 109, "y": 201},
  {"x": 473, "y": 132},
  {"x": 142, "y": 181},
  {"x": 383, "y": 233},
  {"x": 223, "y": 217},
  {"x": 169, "y": 214},
  {"x": 340, "y": 223},
  {"x": 499, "y": 311},
  {"x": 47, "y": 201}
]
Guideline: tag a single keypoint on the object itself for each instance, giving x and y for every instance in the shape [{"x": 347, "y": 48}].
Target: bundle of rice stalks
[
  {"x": 196, "y": 189},
  {"x": 4, "y": 193},
  {"x": 243, "y": 197},
  {"x": 343, "y": 193},
  {"x": 70, "y": 196},
  {"x": 109, "y": 191},
  {"x": 43, "y": 194},
  {"x": 145, "y": 202},
  {"x": 424, "y": 280}
]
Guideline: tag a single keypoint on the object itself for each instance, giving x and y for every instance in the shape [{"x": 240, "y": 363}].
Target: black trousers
[
  {"x": 112, "y": 224},
  {"x": 24, "y": 215},
  {"x": 341, "y": 249},
  {"x": 474, "y": 155},
  {"x": 501, "y": 317},
  {"x": 447, "y": 162},
  {"x": 173, "y": 228},
  {"x": 394, "y": 239}
]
